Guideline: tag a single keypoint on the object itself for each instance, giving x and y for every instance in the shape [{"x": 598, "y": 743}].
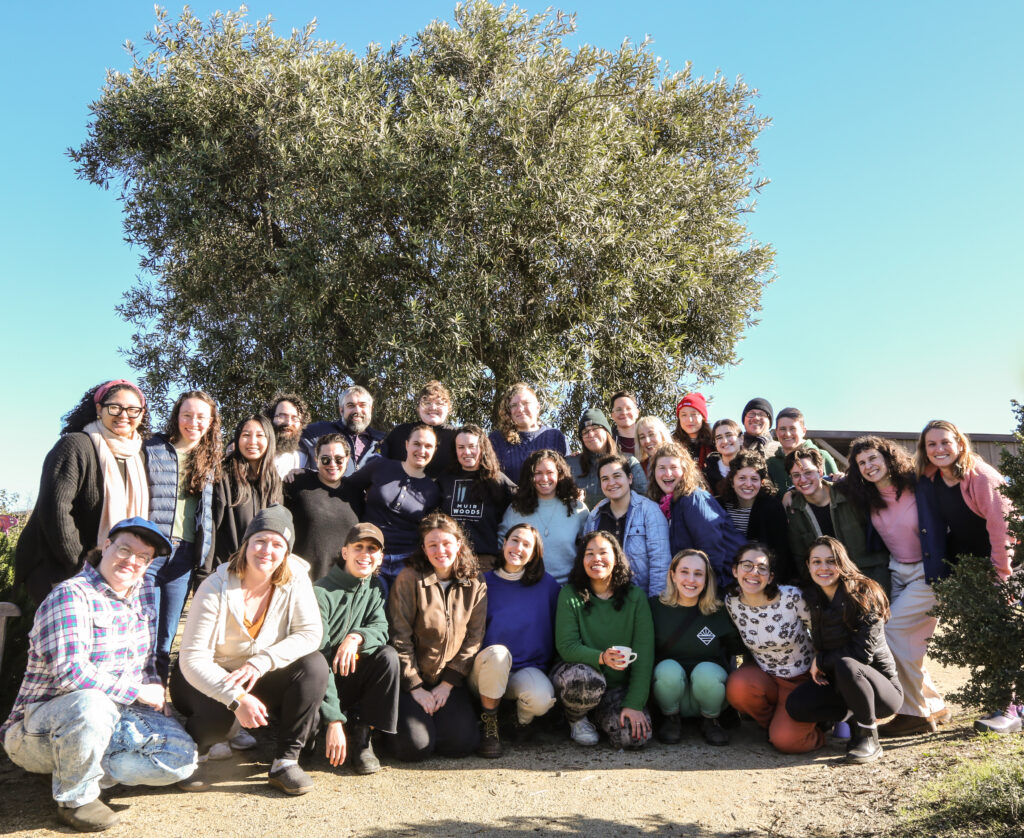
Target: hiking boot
[
  {"x": 524, "y": 732},
  {"x": 490, "y": 740},
  {"x": 361, "y": 757},
  {"x": 583, "y": 732},
  {"x": 905, "y": 725},
  {"x": 1000, "y": 722},
  {"x": 291, "y": 780},
  {"x": 714, "y": 733},
  {"x": 670, "y": 731},
  {"x": 864, "y": 746},
  {"x": 94, "y": 816}
]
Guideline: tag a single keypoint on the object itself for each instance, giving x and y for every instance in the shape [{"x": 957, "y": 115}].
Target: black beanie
[{"x": 759, "y": 404}]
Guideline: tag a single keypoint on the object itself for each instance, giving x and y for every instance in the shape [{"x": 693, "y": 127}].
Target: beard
[
  {"x": 356, "y": 426},
  {"x": 287, "y": 440}
]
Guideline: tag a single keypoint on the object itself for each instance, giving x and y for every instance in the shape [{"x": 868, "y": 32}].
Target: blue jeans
[
  {"x": 81, "y": 737},
  {"x": 702, "y": 694},
  {"x": 171, "y": 576},
  {"x": 390, "y": 568}
]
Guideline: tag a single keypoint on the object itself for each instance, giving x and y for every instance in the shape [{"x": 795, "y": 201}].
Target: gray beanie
[
  {"x": 594, "y": 417},
  {"x": 275, "y": 518}
]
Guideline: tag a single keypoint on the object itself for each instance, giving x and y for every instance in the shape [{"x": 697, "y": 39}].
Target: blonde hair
[
  {"x": 964, "y": 459},
  {"x": 655, "y": 424},
  {"x": 237, "y": 564},
  {"x": 505, "y": 423},
  {"x": 708, "y": 603},
  {"x": 691, "y": 480}
]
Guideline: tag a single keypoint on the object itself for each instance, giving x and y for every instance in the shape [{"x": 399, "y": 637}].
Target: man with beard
[
  {"x": 290, "y": 415},
  {"x": 355, "y": 406}
]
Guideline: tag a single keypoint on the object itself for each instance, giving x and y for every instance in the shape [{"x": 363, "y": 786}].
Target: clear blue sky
[{"x": 895, "y": 203}]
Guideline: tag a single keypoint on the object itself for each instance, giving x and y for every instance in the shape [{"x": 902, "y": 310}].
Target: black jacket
[{"x": 840, "y": 630}]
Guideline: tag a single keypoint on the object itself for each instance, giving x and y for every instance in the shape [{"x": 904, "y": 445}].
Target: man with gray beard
[{"x": 355, "y": 409}]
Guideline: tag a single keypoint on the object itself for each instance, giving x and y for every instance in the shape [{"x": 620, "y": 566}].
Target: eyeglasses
[
  {"x": 433, "y": 403},
  {"x": 287, "y": 419},
  {"x": 115, "y": 409},
  {"x": 125, "y": 553},
  {"x": 759, "y": 569},
  {"x": 338, "y": 461},
  {"x": 804, "y": 475}
]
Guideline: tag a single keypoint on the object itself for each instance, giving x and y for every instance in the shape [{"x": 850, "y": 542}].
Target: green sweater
[
  {"x": 582, "y": 634},
  {"x": 707, "y": 637},
  {"x": 348, "y": 606}
]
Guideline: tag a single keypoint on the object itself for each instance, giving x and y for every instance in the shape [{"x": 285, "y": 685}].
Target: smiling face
[
  {"x": 727, "y": 441},
  {"x": 331, "y": 463},
  {"x": 441, "y": 549},
  {"x": 252, "y": 441},
  {"x": 545, "y": 478},
  {"x": 599, "y": 559},
  {"x": 616, "y": 483},
  {"x": 595, "y": 439},
  {"x": 433, "y": 410},
  {"x": 668, "y": 471},
  {"x": 690, "y": 421},
  {"x": 124, "y": 561},
  {"x": 873, "y": 467},
  {"x": 806, "y": 476},
  {"x": 752, "y": 572},
  {"x": 122, "y": 402},
  {"x": 467, "y": 451},
  {"x": 756, "y": 422},
  {"x": 524, "y": 409},
  {"x": 690, "y": 578},
  {"x": 419, "y": 448},
  {"x": 519, "y": 547},
  {"x": 746, "y": 483},
  {"x": 823, "y": 567},
  {"x": 941, "y": 448},
  {"x": 287, "y": 420},
  {"x": 649, "y": 438},
  {"x": 356, "y": 411},
  {"x": 790, "y": 433},
  {"x": 194, "y": 418},
  {"x": 362, "y": 557},
  {"x": 264, "y": 554},
  {"x": 624, "y": 412}
]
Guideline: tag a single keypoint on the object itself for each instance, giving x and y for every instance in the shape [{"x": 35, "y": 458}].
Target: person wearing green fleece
[
  {"x": 605, "y": 639},
  {"x": 363, "y": 692}
]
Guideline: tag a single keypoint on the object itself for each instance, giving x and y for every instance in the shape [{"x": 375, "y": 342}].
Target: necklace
[{"x": 545, "y": 520}]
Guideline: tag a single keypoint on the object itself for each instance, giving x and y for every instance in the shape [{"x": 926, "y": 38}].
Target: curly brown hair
[
  {"x": 622, "y": 574},
  {"x": 901, "y": 472},
  {"x": 526, "y": 501},
  {"x": 85, "y": 411},
  {"x": 295, "y": 399},
  {"x": 203, "y": 463},
  {"x": 691, "y": 480},
  {"x": 466, "y": 565},
  {"x": 745, "y": 458},
  {"x": 505, "y": 423},
  {"x": 488, "y": 481}
]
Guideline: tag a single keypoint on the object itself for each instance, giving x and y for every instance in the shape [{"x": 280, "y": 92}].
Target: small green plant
[{"x": 16, "y": 646}]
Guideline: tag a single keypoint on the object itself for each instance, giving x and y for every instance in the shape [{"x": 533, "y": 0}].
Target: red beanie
[{"x": 696, "y": 401}]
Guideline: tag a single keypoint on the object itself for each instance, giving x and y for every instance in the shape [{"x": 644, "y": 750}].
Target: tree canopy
[{"x": 478, "y": 203}]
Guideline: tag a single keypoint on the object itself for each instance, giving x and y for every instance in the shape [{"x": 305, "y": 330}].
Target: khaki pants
[
  {"x": 492, "y": 677},
  {"x": 908, "y": 631}
]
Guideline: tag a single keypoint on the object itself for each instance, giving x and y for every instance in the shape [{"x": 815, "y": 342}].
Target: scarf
[
  {"x": 665, "y": 504},
  {"x": 121, "y": 498}
]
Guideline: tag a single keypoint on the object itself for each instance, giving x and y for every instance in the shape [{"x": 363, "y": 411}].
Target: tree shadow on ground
[{"x": 567, "y": 825}]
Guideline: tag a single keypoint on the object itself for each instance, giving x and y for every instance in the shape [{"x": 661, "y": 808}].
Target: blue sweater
[
  {"x": 512, "y": 456},
  {"x": 522, "y": 619},
  {"x": 699, "y": 521}
]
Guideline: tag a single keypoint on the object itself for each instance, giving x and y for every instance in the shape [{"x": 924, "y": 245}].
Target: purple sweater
[{"x": 522, "y": 619}]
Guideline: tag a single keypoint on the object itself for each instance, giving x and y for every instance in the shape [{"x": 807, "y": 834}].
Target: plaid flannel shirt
[{"x": 87, "y": 637}]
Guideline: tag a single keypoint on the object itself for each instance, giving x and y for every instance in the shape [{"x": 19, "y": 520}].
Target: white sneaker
[
  {"x": 222, "y": 750},
  {"x": 243, "y": 741},
  {"x": 583, "y": 732}
]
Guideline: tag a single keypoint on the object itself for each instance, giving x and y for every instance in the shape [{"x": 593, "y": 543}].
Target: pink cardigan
[{"x": 981, "y": 491}]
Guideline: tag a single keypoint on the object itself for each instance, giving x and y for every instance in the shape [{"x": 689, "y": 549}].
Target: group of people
[{"x": 362, "y": 587}]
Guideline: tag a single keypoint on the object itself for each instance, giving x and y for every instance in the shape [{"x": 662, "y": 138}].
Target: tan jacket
[{"x": 436, "y": 633}]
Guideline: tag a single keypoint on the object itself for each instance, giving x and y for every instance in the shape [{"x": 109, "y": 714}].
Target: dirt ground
[{"x": 550, "y": 786}]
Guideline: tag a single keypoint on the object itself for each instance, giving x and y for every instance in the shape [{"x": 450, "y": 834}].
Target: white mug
[{"x": 628, "y": 654}]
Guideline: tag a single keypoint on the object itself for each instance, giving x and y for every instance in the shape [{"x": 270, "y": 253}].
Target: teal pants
[{"x": 700, "y": 694}]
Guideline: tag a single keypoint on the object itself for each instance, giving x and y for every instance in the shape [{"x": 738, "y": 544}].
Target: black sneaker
[
  {"x": 714, "y": 733},
  {"x": 291, "y": 780},
  {"x": 670, "y": 731}
]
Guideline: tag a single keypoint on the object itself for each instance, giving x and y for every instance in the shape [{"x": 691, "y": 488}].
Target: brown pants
[{"x": 761, "y": 696}]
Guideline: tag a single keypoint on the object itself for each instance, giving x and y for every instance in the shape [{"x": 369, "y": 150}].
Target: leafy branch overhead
[{"x": 478, "y": 203}]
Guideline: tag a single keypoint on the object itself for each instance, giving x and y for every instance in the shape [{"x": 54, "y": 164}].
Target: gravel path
[{"x": 549, "y": 786}]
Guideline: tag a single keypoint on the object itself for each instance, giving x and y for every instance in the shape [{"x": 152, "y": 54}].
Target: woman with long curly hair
[
  {"x": 249, "y": 482},
  {"x": 882, "y": 483},
  {"x": 853, "y": 672},
  {"x": 475, "y": 492},
  {"x": 437, "y": 610},
  {"x": 547, "y": 499},
  {"x": 695, "y": 518},
  {"x": 520, "y": 432},
  {"x": 183, "y": 463},
  {"x": 962, "y": 494},
  {"x": 92, "y": 478},
  {"x": 605, "y": 641}
]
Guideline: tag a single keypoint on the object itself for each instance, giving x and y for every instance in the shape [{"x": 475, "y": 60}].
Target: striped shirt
[{"x": 87, "y": 637}]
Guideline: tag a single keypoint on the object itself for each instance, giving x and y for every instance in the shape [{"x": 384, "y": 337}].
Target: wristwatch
[{"x": 234, "y": 702}]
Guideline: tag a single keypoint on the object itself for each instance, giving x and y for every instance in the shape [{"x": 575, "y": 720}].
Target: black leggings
[
  {"x": 452, "y": 731},
  {"x": 293, "y": 694},
  {"x": 369, "y": 695},
  {"x": 853, "y": 686}
]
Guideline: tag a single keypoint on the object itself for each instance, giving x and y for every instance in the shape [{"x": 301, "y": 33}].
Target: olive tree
[{"x": 478, "y": 203}]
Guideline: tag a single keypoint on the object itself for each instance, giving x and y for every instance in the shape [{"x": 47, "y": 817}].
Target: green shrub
[{"x": 16, "y": 646}]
